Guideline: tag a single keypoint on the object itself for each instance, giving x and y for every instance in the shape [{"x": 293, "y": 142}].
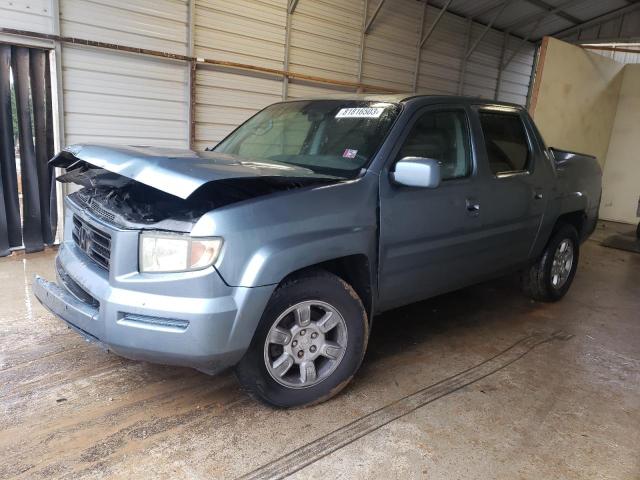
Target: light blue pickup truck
[{"x": 273, "y": 251}]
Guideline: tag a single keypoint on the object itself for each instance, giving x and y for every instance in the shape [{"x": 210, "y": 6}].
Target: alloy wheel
[{"x": 305, "y": 344}]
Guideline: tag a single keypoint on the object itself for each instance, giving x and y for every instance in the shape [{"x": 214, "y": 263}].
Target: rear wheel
[
  {"x": 310, "y": 342},
  {"x": 549, "y": 278}
]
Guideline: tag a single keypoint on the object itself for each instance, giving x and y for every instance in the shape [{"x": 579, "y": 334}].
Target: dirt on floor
[{"x": 479, "y": 383}]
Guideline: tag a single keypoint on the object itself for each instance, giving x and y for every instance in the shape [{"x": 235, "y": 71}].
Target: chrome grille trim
[{"x": 91, "y": 240}]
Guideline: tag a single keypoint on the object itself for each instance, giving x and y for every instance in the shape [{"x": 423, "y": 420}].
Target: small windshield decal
[
  {"x": 362, "y": 112},
  {"x": 348, "y": 153}
]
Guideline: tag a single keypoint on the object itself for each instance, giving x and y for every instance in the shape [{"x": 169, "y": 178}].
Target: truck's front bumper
[{"x": 162, "y": 325}]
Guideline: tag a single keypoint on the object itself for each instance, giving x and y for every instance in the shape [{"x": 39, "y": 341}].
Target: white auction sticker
[{"x": 363, "y": 112}]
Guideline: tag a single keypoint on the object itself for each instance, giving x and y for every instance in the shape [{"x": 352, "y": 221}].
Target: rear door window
[{"x": 506, "y": 142}]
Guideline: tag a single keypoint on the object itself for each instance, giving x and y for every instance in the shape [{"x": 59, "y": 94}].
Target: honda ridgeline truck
[{"x": 273, "y": 251}]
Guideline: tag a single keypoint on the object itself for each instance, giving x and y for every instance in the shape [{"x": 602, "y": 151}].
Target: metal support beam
[
  {"x": 57, "y": 105},
  {"x": 620, "y": 26},
  {"x": 611, "y": 49},
  {"x": 192, "y": 104},
  {"x": 598, "y": 20},
  {"x": 292, "y": 6},
  {"x": 373, "y": 17},
  {"x": 558, "y": 12},
  {"x": 191, "y": 83},
  {"x": 536, "y": 16},
  {"x": 532, "y": 77},
  {"x": 591, "y": 39},
  {"x": 416, "y": 70},
  {"x": 463, "y": 66},
  {"x": 363, "y": 38},
  {"x": 435, "y": 23},
  {"x": 504, "y": 5},
  {"x": 247, "y": 67},
  {"x": 285, "y": 62}
]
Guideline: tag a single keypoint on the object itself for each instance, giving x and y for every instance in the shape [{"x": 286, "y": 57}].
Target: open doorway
[{"x": 28, "y": 197}]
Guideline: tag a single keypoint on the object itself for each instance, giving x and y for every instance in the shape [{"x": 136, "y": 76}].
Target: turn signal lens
[
  {"x": 162, "y": 252},
  {"x": 204, "y": 252}
]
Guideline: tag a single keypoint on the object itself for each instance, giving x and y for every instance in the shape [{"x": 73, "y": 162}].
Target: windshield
[{"x": 333, "y": 137}]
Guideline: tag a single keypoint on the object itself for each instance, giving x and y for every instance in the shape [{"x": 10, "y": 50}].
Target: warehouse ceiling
[{"x": 533, "y": 19}]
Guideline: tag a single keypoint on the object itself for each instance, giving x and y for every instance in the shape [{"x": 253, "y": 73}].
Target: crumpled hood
[{"x": 179, "y": 172}]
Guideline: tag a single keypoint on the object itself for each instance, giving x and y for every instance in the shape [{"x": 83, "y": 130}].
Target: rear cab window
[{"x": 506, "y": 142}]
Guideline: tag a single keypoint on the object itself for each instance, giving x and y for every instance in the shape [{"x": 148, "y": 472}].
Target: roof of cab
[{"x": 404, "y": 97}]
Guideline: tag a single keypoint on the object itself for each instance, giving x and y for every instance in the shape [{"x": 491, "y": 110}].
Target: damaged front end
[{"x": 126, "y": 193}]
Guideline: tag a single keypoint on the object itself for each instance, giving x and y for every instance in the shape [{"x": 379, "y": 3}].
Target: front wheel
[
  {"x": 550, "y": 277},
  {"x": 310, "y": 342}
]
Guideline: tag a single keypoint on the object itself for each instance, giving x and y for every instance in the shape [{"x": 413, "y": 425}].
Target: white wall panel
[
  {"x": 226, "y": 99},
  {"x": 123, "y": 98},
  {"x": 152, "y": 24},
  {"x": 303, "y": 90},
  {"x": 482, "y": 66},
  {"x": 622, "y": 57},
  {"x": 32, "y": 15},
  {"x": 389, "y": 58},
  {"x": 325, "y": 38},
  {"x": 113, "y": 97},
  {"x": 243, "y": 31},
  {"x": 441, "y": 59}
]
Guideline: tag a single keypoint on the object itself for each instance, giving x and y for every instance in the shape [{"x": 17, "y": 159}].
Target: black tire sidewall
[
  {"x": 252, "y": 371},
  {"x": 566, "y": 232}
]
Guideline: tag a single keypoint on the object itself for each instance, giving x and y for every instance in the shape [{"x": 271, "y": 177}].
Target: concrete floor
[{"x": 516, "y": 399}]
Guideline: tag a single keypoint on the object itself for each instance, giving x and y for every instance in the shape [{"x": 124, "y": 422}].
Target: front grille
[{"x": 93, "y": 241}]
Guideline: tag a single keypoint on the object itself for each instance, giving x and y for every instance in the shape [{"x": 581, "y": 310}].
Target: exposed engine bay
[{"x": 128, "y": 203}]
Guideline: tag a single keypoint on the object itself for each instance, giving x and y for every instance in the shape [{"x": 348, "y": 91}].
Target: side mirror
[{"x": 417, "y": 172}]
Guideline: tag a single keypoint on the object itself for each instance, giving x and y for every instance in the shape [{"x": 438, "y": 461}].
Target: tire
[
  {"x": 335, "y": 353},
  {"x": 638, "y": 230},
  {"x": 541, "y": 281}
]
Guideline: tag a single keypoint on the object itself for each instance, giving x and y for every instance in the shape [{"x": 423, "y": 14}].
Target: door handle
[
  {"x": 537, "y": 194},
  {"x": 473, "y": 206}
]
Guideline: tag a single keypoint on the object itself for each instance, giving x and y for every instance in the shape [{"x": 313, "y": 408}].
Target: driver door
[{"x": 427, "y": 235}]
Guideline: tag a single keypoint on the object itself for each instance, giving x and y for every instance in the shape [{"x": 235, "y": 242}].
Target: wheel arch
[
  {"x": 577, "y": 219},
  {"x": 355, "y": 269}
]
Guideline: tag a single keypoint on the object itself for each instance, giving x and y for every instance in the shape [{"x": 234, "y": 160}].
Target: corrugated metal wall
[
  {"x": 389, "y": 57},
  {"x": 124, "y": 98},
  {"x": 622, "y": 57},
  {"x": 119, "y": 97},
  {"x": 441, "y": 58},
  {"x": 244, "y": 31},
  {"x": 34, "y": 15},
  {"x": 325, "y": 38},
  {"x": 153, "y": 24}
]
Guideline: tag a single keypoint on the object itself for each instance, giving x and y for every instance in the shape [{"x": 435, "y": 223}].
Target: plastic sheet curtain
[{"x": 29, "y": 70}]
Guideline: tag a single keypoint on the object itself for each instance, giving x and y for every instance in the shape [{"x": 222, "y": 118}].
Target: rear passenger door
[{"x": 514, "y": 189}]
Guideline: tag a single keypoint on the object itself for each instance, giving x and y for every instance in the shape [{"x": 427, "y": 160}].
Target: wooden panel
[{"x": 576, "y": 96}]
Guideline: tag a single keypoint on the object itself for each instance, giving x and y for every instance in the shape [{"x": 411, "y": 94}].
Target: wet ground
[{"x": 479, "y": 383}]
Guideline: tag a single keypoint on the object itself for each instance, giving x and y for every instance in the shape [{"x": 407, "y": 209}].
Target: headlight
[{"x": 166, "y": 252}]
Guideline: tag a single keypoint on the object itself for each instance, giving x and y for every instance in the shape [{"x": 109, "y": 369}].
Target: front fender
[
  {"x": 273, "y": 262},
  {"x": 267, "y": 238}
]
